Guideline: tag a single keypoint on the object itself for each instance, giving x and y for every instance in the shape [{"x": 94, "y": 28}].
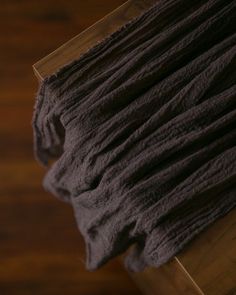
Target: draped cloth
[{"x": 142, "y": 130}]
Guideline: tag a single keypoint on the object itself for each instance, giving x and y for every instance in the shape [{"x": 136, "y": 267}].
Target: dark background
[{"x": 41, "y": 250}]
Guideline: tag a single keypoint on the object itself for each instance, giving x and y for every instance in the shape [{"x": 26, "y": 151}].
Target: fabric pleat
[{"x": 142, "y": 131}]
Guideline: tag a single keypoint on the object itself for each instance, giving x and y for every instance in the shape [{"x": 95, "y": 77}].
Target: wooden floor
[{"x": 41, "y": 251}]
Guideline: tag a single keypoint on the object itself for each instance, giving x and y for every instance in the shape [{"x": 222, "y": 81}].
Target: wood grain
[
  {"x": 207, "y": 266},
  {"x": 41, "y": 250},
  {"x": 210, "y": 258},
  {"x": 171, "y": 279}
]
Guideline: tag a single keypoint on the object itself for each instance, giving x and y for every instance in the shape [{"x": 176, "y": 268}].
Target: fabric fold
[{"x": 142, "y": 132}]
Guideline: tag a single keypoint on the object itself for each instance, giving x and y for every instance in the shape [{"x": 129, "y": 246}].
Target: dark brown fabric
[{"x": 143, "y": 127}]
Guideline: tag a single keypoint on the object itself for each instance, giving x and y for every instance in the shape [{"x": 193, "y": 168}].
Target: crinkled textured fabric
[{"x": 143, "y": 130}]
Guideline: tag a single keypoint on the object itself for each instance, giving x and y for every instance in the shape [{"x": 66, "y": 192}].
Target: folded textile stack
[{"x": 143, "y": 130}]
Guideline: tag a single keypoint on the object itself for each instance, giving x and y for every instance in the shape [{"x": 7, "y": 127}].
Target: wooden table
[{"x": 208, "y": 264}]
